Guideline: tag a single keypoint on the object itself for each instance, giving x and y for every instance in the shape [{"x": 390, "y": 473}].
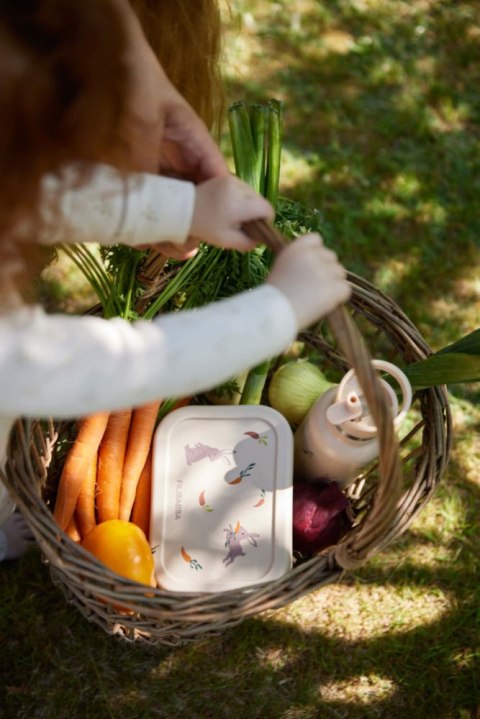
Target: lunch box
[{"x": 221, "y": 497}]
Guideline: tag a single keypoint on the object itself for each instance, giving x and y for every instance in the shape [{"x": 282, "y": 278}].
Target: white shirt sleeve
[
  {"x": 69, "y": 366},
  {"x": 112, "y": 208}
]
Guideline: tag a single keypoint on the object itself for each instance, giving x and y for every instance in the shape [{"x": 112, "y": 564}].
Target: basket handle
[{"x": 371, "y": 533}]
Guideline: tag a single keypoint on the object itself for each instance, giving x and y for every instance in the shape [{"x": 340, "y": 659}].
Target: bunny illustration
[
  {"x": 233, "y": 539},
  {"x": 201, "y": 451}
]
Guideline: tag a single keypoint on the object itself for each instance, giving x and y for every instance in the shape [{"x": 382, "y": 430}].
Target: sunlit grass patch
[
  {"x": 65, "y": 287},
  {"x": 331, "y": 42},
  {"x": 388, "y": 607},
  {"x": 296, "y": 169},
  {"x": 449, "y": 117},
  {"x": 366, "y": 689},
  {"x": 386, "y": 208},
  {"x": 439, "y": 525},
  {"x": 393, "y": 272},
  {"x": 405, "y": 186}
]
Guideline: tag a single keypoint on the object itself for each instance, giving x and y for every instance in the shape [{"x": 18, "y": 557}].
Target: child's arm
[
  {"x": 143, "y": 209},
  {"x": 114, "y": 208},
  {"x": 68, "y": 366}
]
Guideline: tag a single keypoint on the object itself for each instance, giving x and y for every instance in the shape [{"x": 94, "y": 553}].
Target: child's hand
[
  {"x": 311, "y": 277},
  {"x": 222, "y": 205}
]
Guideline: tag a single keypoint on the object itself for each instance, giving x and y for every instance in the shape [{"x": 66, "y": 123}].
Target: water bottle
[{"x": 338, "y": 438}]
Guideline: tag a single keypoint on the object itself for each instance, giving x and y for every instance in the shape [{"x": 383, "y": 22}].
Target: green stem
[
  {"x": 255, "y": 383},
  {"x": 127, "y": 313},
  {"x": 90, "y": 267},
  {"x": 258, "y": 128},
  {"x": 275, "y": 111},
  {"x": 166, "y": 407},
  {"x": 92, "y": 271},
  {"x": 175, "y": 285},
  {"x": 242, "y": 144}
]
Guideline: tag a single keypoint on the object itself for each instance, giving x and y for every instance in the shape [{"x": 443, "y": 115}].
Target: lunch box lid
[{"x": 221, "y": 513}]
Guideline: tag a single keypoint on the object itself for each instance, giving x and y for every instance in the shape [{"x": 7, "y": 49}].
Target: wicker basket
[{"x": 385, "y": 499}]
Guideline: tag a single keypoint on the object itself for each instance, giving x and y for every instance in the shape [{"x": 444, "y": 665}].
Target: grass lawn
[{"x": 382, "y": 135}]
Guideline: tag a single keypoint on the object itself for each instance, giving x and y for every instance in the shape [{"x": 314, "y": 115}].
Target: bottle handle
[{"x": 349, "y": 406}]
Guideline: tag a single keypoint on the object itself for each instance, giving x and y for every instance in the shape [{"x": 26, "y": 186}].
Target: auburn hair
[
  {"x": 186, "y": 37},
  {"x": 63, "y": 90},
  {"x": 57, "y": 59}
]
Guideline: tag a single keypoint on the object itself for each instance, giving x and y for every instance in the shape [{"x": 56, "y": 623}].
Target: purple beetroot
[{"x": 320, "y": 516}]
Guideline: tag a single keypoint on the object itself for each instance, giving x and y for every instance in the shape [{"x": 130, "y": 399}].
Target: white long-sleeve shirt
[
  {"x": 116, "y": 209},
  {"x": 68, "y": 366}
]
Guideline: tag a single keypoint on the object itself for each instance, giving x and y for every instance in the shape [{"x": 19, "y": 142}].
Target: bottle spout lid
[
  {"x": 346, "y": 409},
  {"x": 350, "y": 411}
]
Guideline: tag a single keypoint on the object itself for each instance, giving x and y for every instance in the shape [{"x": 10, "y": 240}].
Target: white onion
[{"x": 295, "y": 387}]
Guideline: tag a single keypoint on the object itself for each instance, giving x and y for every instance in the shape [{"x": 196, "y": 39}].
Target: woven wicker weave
[{"x": 384, "y": 500}]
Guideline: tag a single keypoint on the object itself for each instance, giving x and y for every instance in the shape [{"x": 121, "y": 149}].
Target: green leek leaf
[
  {"x": 444, "y": 368},
  {"x": 470, "y": 345}
]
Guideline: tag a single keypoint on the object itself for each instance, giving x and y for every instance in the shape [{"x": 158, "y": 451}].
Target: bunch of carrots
[{"x": 107, "y": 472}]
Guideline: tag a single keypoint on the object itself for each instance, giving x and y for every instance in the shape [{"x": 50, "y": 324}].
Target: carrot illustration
[
  {"x": 194, "y": 564},
  {"x": 185, "y": 555},
  {"x": 203, "y": 502},
  {"x": 139, "y": 441},
  {"x": 261, "y": 438},
  {"x": 141, "y": 506},
  {"x": 85, "y": 508},
  {"x": 90, "y": 433},
  {"x": 261, "y": 500},
  {"x": 243, "y": 473},
  {"x": 111, "y": 455}
]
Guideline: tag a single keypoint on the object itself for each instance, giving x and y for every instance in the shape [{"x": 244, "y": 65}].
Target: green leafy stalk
[
  {"x": 176, "y": 285},
  {"x": 94, "y": 271},
  {"x": 244, "y": 154},
  {"x": 259, "y": 165},
  {"x": 122, "y": 264},
  {"x": 255, "y": 383},
  {"x": 448, "y": 368},
  {"x": 166, "y": 407},
  {"x": 470, "y": 345},
  {"x": 128, "y": 311},
  {"x": 458, "y": 363},
  {"x": 275, "y": 112},
  {"x": 258, "y": 127}
]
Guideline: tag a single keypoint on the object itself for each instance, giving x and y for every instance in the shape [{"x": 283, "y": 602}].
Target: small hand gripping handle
[{"x": 370, "y": 534}]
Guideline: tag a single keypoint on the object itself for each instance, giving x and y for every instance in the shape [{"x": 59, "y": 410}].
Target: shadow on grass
[
  {"x": 387, "y": 125},
  {"x": 294, "y": 663}
]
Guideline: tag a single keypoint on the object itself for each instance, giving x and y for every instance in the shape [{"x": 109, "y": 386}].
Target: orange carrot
[
  {"x": 111, "y": 456},
  {"x": 90, "y": 433},
  {"x": 143, "y": 497},
  {"x": 73, "y": 530},
  {"x": 85, "y": 509},
  {"x": 139, "y": 442}
]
